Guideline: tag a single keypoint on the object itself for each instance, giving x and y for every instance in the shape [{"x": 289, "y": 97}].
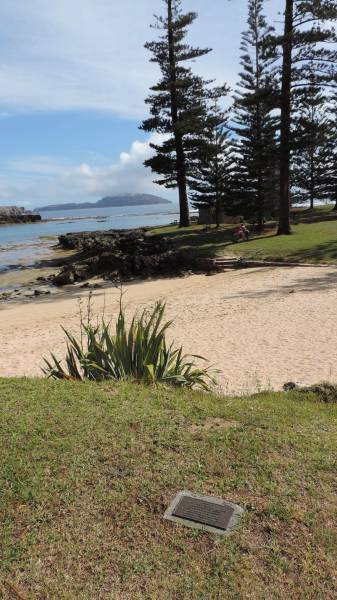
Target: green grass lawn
[
  {"x": 313, "y": 242},
  {"x": 88, "y": 470}
]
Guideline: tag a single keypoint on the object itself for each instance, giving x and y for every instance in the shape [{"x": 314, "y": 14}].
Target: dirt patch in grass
[{"x": 213, "y": 423}]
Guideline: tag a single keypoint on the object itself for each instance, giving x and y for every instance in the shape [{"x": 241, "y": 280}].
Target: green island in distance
[{"x": 110, "y": 201}]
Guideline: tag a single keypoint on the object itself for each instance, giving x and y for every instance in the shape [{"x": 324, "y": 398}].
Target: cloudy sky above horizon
[{"x": 73, "y": 78}]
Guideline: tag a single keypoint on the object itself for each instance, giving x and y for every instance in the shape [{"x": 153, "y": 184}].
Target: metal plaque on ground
[{"x": 204, "y": 512}]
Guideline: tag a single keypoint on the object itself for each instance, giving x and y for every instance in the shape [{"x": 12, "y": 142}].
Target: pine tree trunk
[
  {"x": 182, "y": 187},
  {"x": 260, "y": 195},
  {"x": 312, "y": 183},
  {"x": 335, "y": 207},
  {"x": 179, "y": 147},
  {"x": 217, "y": 210},
  {"x": 218, "y": 197},
  {"x": 284, "y": 214},
  {"x": 260, "y": 217}
]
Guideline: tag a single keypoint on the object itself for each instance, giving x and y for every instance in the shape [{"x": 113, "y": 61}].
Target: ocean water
[{"x": 25, "y": 244}]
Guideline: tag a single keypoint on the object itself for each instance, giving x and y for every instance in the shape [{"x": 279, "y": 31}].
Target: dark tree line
[{"x": 277, "y": 143}]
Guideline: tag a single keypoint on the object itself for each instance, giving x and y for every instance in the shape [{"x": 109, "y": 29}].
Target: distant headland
[
  {"x": 110, "y": 201},
  {"x": 15, "y": 214}
]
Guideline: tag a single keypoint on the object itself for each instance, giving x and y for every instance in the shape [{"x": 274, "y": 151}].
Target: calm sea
[{"x": 23, "y": 245}]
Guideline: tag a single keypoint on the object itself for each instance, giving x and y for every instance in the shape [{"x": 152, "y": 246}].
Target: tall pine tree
[
  {"x": 211, "y": 180},
  {"x": 330, "y": 156},
  {"x": 177, "y": 104},
  {"x": 306, "y": 48},
  {"x": 254, "y": 121},
  {"x": 310, "y": 144}
]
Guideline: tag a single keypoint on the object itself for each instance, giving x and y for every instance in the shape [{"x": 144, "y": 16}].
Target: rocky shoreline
[
  {"x": 120, "y": 254},
  {"x": 104, "y": 256},
  {"x": 12, "y": 215}
]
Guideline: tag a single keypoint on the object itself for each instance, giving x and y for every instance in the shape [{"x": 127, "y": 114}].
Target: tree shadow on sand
[{"x": 326, "y": 282}]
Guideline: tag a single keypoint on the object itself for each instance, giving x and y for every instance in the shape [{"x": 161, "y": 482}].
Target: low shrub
[
  {"x": 139, "y": 352},
  {"x": 323, "y": 392}
]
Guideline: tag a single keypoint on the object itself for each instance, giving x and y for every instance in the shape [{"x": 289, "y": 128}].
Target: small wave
[
  {"x": 151, "y": 214},
  {"x": 71, "y": 219},
  {"x": 13, "y": 247},
  {"x": 7, "y": 268}
]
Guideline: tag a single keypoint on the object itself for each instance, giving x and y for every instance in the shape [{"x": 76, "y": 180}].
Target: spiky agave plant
[{"x": 139, "y": 352}]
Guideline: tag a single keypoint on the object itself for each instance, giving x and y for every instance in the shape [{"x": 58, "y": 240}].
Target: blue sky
[{"x": 73, "y": 78}]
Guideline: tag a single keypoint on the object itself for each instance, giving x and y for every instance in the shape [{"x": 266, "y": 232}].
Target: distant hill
[{"x": 109, "y": 201}]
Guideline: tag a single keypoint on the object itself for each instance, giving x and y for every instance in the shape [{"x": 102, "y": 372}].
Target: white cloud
[
  {"x": 89, "y": 54},
  {"x": 35, "y": 181},
  {"x": 71, "y": 55},
  {"x": 39, "y": 165}
]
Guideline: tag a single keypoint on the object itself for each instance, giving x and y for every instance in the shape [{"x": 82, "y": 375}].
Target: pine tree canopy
[
  {"x": 310, "y": 143},
  {"x": 276, "y": 146},
  {"x": 178, "y": 102},
  {"x": 211, "y": 179},
  {"x": 254, "y": 120},
  {"x": 308, "y": 59},
  {"x": 329, "y": 186},
  {"x": 314, "y": 61}
]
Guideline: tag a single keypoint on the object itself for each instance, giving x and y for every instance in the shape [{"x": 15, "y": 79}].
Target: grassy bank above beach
[
  {"x": 310, "y": 242},
  {"x": 88, "y": 470}
]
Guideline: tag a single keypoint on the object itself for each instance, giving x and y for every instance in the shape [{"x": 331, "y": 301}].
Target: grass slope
[
  {"x": 312, "y": 242},
  {"x": 87, "y": 471}
]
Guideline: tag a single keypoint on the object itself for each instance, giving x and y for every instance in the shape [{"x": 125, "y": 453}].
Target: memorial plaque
[{"x": 204, "y": 512}]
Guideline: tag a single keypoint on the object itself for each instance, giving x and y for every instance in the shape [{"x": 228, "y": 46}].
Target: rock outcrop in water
[
  {"x": 120, "y": 254},
  {"x": 15, "y": 214}
]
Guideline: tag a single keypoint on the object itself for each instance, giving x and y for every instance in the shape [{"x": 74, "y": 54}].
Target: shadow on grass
[
  {"x": 216, "y": 242},
  {"x": 319, "y": 253},
  {"x": 210, "y": 243}
]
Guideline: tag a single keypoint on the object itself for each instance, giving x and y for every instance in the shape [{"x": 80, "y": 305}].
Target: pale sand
[{"x": 261, "y": 327}]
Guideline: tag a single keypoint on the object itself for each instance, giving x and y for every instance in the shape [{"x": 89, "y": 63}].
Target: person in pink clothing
[{"x": 241, "y": 233}]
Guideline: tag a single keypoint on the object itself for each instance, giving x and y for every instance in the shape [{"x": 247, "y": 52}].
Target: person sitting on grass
[
  {"x": 241, "y": 233},
  {"x": 246, "y": 232}
]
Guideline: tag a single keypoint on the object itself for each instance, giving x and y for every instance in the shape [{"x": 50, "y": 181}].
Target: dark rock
[
  {"x": 14, "y": 214},
  {"x": 289, "y": 386},
  {"x": 5, "y": 295},
  {"x": 206, "y": 264},
  {"x": 121, "y": 254},
  {"x": 90, "y": 286},
  {"x": 65, "y": 277},
  {"x": 41, "y": 292}
]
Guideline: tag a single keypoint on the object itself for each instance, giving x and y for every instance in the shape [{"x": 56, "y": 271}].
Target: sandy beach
[{"x": 260, "y": 327}]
